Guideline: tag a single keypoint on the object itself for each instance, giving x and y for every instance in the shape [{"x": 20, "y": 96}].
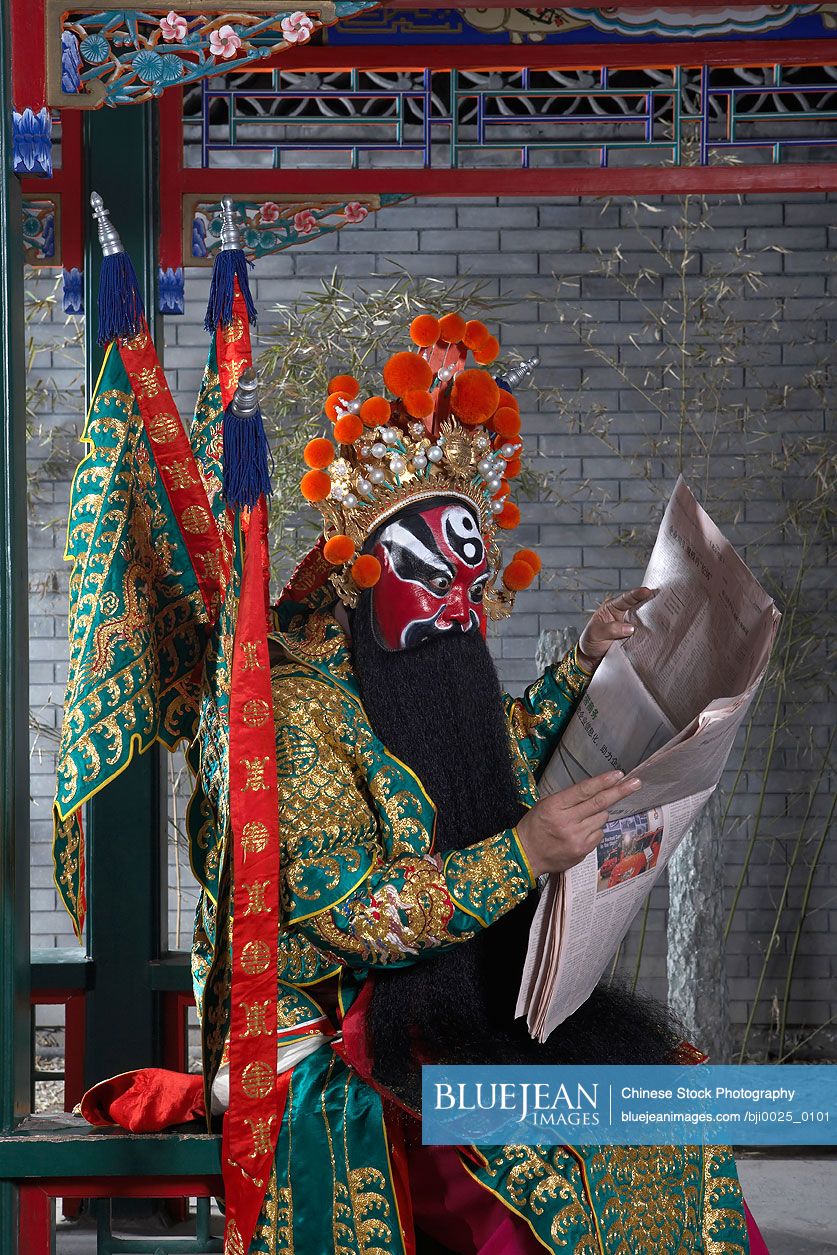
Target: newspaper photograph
[
  {"x": 629, "y": 848},
  {"x": 665, "y": 704}
]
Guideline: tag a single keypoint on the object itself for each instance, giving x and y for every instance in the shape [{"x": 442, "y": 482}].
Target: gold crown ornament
[{"x": 448, "y": 429}]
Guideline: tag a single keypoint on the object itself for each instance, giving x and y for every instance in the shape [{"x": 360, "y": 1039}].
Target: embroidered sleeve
[
  {"x": 415, "y": 905},
  {"x": 539, "y": 717},
  {"x": 360, "y": 894}
]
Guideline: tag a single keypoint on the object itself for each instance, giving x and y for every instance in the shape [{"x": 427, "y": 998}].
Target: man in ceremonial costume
[
  {"x": 411, "y": 841},
  {"x": 367, "y": 870}
]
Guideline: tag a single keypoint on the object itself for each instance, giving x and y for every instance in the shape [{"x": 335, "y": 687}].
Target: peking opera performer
[{"x": 411, "y": 840}]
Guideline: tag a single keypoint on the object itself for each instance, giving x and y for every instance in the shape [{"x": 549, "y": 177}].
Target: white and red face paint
[{"x": 434, "y": 569}]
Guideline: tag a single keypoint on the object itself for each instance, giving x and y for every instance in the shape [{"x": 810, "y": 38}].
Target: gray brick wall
[{"x": 593, "y": 533}]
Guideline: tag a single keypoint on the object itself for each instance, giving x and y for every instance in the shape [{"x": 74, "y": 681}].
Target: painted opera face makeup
[{"x": 434, "y": 569}]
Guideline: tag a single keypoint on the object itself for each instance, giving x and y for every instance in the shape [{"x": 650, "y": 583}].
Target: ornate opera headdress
[{"x": 448, "y": 430}]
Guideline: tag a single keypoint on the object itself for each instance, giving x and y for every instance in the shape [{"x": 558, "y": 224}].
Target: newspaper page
[
  {"x": 670, "y": 699},
  {"x": 673, "y": 696},
  {"x": 601, "y": 897}
]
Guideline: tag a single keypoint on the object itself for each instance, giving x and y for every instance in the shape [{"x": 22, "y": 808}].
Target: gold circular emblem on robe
[
  {"x": 255, "y": 957},
  {"x": 195, "y": 519},
  {"x": 164, "y": 428},
  {"x": 234, "y": 330},
  {"x": 255, "y": 712},
  {"x": 257, "y": 1079},
  {"x": 253, "y": 837}
]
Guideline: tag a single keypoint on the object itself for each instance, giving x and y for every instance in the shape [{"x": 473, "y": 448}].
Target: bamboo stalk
[
  {"x": 771, "y": 746},
  {"x": 812, "y": 793},
  {"x": 803, "y": 914}
]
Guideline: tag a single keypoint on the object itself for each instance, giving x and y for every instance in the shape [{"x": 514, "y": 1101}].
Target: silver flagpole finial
[
  {"x": 245, "y": 402},
  {"x": 108, "y": 235},
  {"x": 230, "y": 234},
  {"x": 520, "y": 372}
]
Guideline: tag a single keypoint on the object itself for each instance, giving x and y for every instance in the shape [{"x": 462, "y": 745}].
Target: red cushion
[{"x": 145, "y": 1101}]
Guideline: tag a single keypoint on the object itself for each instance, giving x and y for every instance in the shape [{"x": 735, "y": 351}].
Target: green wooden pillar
[
  {"x": 126, "y": 822},
  {"x": 14, "y": 654}
]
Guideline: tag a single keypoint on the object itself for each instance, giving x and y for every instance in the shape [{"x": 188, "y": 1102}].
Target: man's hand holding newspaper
[
  {"x": 566, "y": 826},
  {"x": 670, "y": 698}
]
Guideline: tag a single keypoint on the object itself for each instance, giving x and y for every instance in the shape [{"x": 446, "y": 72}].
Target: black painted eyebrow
[{"x": 411, "y": 567}]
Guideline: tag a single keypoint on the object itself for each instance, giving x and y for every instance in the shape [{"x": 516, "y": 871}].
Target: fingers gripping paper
[{"x": 668, "y": 701}]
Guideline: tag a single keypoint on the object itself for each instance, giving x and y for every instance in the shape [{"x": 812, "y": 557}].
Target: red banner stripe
[
  {"x": 251, "y": 1125},
  {"x": 178, "y": 468},
  {"x": 233, "y": 348}
]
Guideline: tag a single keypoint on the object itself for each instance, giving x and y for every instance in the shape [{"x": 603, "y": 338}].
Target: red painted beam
[
  {"x": 34, "y": 1234},
  {"x": 737, "y": 52},
  {"x": 71, "y": 174},
  {"x": 175, "y": 1007},
  {"x": 28, "y": 58},
  {"x": 51, "y": 997},
  {"x": 561, "y": 181},
  {"x": 172, "y": 177}
]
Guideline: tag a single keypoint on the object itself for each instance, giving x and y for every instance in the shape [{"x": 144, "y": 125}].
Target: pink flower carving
[
  {"x": 355, "y": 212},
  {"x": 297, "y": 28},
  {"x": 269, "y": 211},
  {"x": 305, "y": 222},
  {"x": 174, "y": 27},
  {"x": 224, "y": 42}
]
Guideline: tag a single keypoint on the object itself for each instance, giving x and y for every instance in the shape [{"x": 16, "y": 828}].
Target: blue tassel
[
  {"x": 247, "y": 460},
  {"x": 120, "y": 304},
  {"x": 229, "y": 264}
]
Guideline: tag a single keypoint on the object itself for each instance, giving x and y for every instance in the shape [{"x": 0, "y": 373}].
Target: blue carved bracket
[{"x": 32, "y": 142}]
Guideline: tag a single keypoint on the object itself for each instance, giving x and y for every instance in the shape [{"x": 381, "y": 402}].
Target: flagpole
[{"x": 119, "y": 148}]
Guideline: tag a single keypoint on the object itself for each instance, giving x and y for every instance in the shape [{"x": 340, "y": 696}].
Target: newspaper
[{"x": 666, "y": 704}]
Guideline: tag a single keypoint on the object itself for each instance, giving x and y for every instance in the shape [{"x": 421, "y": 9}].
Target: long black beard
[{"x": 439, "y": 709}]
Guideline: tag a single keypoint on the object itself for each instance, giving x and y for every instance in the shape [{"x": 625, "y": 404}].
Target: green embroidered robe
[{"x": 362, "y": 887}]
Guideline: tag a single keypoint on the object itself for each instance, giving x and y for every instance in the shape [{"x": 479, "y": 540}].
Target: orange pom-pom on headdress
[
  {"x": 346, "y": 385},
  {"x": 506, "y": 421},
  {"x": 424, "y": 330},
  {"x": 335, "y": 403},
  {"x": 487, "y": 352},
  {"x": 510, "y": 516},
  {"x": 315, "y": 486},
  {"x": 375, "y": 411},
  {"x": 475, "y": 335},
  {"x": 474, "y": 396},
  {"x": 318, "y": 453},
  {"x": 417, "y": 403},
  {"x": 347, "y": 429},
  {"x": 338, "y": 549},
  {"x": 407, "y": 371},
  {"x": 456, "y": 432},
  {"x": 518, "y": 575},
  {"x": 366, "y": 570},
  {"x": 451, "y": 328},
  {"x": 529, "y": 557}
]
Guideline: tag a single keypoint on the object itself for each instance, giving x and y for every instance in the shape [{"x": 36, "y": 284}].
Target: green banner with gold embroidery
[{"x": 137, "y": 618}]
